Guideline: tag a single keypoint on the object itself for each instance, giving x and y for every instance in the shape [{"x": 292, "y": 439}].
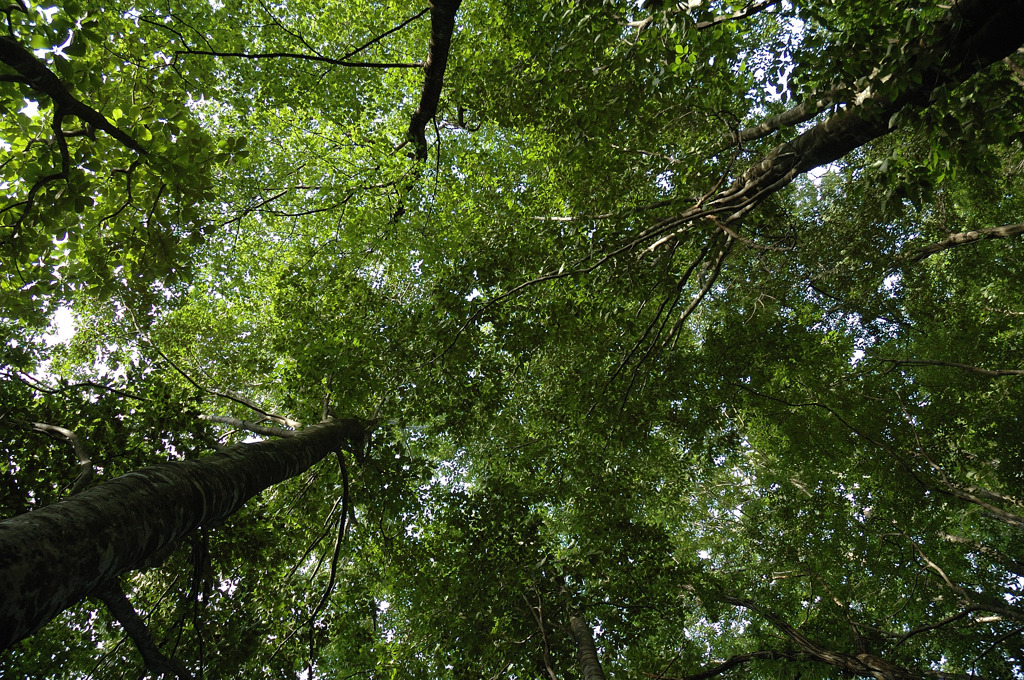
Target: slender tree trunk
[
  {"x": 586, "y": 652},
  {"x": 53, "y": 557}
]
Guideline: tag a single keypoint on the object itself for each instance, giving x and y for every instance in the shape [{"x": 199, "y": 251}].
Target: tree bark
[
  {"x": 963, "y": 238},
  {"x": 36, "y": 75},
  {"x": 157, "y": 663},
  {"x": 586, "y": 651},
  {"x": 973, "y": 35},
  {"x": 53, "y": 557},
  {"x": 442, "y": 27}
]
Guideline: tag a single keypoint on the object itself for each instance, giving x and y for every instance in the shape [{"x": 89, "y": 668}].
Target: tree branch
[
  {"x": 963, "y": 238},
  {"x": 113, "y": 597},
  {"x": 864, "y": 664},
  {"x": 86, "y": 470},
  {"x": 43, "y": 80},
  {"x": 801, "y": 113},
  {"x": 442, "y": 26},
  {"x": 385, "y": 34},
  {"x": 732, "y": 662},
  {"x": 973, "y": 35},
  {"x": 988, "y": 373},
  {"x": 249, "y": 426},
  {"x": 750, "y": 11},
  {"x": 297, "y": 55}
]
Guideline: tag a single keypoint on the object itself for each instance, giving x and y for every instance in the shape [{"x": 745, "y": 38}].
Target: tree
[{"x": 651, "y": 399}]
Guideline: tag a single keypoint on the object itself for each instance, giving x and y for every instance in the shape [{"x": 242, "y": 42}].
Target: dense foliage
[{"x": 700, "y": 322}]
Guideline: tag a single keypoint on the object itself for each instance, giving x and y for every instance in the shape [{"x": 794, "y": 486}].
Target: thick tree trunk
[
  {"x": 53, "y": 557},
  {"x": 586, "y": 652}
]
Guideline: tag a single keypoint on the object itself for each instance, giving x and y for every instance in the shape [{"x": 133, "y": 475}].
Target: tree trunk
[
  {"x": 973, "y": 35},
  {"x": 53, "y": 557},
  {"x": 586, "y": 652}
]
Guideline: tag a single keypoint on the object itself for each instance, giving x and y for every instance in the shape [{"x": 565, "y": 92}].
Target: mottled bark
[
  {"x": 973, "y": 35},
  {"x": 586, "y": 651},
  {"x": 963, "y": 238},
  {"x": 52, "y": 557}
]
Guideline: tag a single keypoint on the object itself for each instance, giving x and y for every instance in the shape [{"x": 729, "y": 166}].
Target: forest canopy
[{"x": 529, "y": 340}]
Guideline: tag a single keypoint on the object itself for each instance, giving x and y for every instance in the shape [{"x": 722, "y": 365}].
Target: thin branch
[
  {"x": 316, "y": 542},
  {"x": 992, "y": 645},
  {"x": 277, "y": 22},
  {"x": 610, "y": 215},
  {"x": 297, "y": 55},
  {"x": 989, "y": 373},
  {"x": 39, "y": 385},
  {"x": 750, "y": 11},
  {"x": 746, "y": 241},
  {"x": 538, "y": 616},
  {"x": 938, "y": 624},
  {"x": 342, "y": 528},
  {"x": 732, "y": 662},
  {"x": 673, "y": 333},
  {"x": 238, "y": 399},
  {"x": 385, "y": 34},
  {"x": 938, "y": 570}
]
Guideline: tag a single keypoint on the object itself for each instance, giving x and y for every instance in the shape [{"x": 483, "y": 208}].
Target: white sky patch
[
  {"x": 818, "y": 173},
  {"x": 62, "y": 325},
  {"x": 31, "y": 108}
]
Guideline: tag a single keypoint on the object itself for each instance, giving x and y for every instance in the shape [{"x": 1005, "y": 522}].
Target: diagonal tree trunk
[
  {"x": 53, "y": 557},
  {"x": 973, "y": 35}
]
